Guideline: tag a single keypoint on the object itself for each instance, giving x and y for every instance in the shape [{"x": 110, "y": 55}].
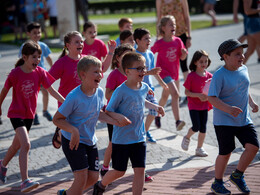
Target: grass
[{"x": 130, "y": 15}]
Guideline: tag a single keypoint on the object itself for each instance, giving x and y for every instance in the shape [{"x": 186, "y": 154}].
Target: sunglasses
[{"x": 140, "y": 69}]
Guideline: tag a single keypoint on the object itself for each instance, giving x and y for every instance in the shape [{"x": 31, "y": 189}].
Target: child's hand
[
  {"x": 184, "y": 51},
  {"x": 150, "y": 92},
  {"x": 235, "y": 111},
  {"x": 160, "y": 111},
  {"x": 203, "y": 97},
  {"x": 253, "y": 105},
  {"x": 165, "y": 86},
  {"x": 111, "y": 46},
  {"x": 154, "y": 71},
  {"x": 74, "y": 141},
  {"x": 122, "y": 120}
]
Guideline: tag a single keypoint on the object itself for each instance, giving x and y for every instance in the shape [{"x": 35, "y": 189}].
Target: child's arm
[
  {"x": 49, "y": 60},
  {"x": 158, "y": 108},
  {"x": 203, "y": 97},
  {"x": 105, "y": 117},
  {"x": 3, "y": 94},
  {"x": 108, "y": 59},
  {"x": 161, "y": 82},
  {"x": 60, "y": 121},
  {"x": 216, "y": 102},
  {"x": 121, "y": 119},
  {"x": 108, "y": 93},
  {"x": 184, "y": 53},
  {"x": 56, "y": 94},
  {"x": 154, "y": 71},
  {"x": 252, "y": 104}
]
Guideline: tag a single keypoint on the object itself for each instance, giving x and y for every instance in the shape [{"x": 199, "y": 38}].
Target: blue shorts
[
  {"x": 199, "y": 120},
  {"x": 226, "y": 137},
  {"x": 85, "y": 157},
  {"x": 244, "y": 23},
  {"x": 122, "y": 152},
  {"x": 18, "y": 122},
  {"x": 253, "y": 25},
  {"x": 168, "y": 79},
  {"x": 152, "y": 99},
  {"x": 213, "y": 2}
]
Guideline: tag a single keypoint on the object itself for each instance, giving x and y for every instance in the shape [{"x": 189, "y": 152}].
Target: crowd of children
[{"x": 129, "y": 88}]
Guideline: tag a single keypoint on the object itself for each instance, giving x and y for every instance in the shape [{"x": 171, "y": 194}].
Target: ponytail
[{"x": 20, "y": 62}]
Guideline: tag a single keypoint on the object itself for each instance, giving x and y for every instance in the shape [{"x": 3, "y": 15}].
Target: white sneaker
[
  {"x": 201, "y": 152},
  {"x": 185, "y": 143}
]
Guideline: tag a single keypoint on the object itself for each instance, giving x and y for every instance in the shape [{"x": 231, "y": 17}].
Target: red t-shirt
[{"x": 97, "y": 49}]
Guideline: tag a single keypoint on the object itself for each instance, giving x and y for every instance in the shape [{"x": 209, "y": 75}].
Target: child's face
[
  {"x": 119, "y": 58},
  {"x": 126, "y": 26},
  {"x": 32, "y": 61},
  {"x": 35, "y": 34},
  {"x": 202, "y": 63},
  {"x": 92, "y": 77},
  {"x": 90, "y": 33},
  {"x": 76, "y": 44},
  {"x": 169, "y": 28},
  {"x": 145, "y": 42},
  {"x": 137, "y": 71},
  {"x": 235, "y": 59},
  {"x": 129, "y": 40}
]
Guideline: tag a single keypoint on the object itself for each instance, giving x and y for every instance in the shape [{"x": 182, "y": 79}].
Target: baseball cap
[{"x": 228, "y": 46}]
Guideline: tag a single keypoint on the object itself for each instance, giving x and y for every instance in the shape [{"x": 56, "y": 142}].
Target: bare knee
[
  {"x": 26, "y": 146},
  {"x": 251, "y": 148}
]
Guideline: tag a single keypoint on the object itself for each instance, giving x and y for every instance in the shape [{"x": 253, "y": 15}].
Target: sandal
[{"x": 55, "y": 142}]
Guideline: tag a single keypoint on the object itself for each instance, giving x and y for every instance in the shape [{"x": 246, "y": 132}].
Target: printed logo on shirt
[
  {"x": 171, "y": 54},
  {"x": 27, "y": 88},
  {"x": 92, "y": 53},
  {"x": 76, "y": 77}
]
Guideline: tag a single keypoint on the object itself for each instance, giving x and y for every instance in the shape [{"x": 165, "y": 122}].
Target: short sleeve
[
  {"x": 215, "y": 86},
  {"x": 114, "y": 101},
  {"x": 57, "y": 69},
  {"x": 187, "y": 83},
  {"x": 47, "y": 78}
]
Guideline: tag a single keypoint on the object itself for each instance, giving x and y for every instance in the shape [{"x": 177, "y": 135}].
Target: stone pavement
[{"x": 174, "y": 171}]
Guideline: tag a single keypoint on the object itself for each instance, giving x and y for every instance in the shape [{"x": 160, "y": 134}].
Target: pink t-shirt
[
  {"x": 26, "y": 87},
  {"x": 168, "y": 58},
  {"x": 65, "y": 69},
  {"x": 195, "y": 83},
  {"x": 97, "y": 49},
  {"x": 114, "y": 79}
]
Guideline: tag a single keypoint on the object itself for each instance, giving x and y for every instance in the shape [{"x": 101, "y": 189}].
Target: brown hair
[
  {"x": 196, "y": 56},
  {"x": 125, "y": 34},
  {"x": 87, "y": 25},
  {"x": 163, "y": 22},
  {"x": 129, "y": 58},
  {"x": 123, "y": 21},
  {"x": 86, "y": 62},
  {"x": 29, "y": 48},
  {"x": 32, "y": 25}
]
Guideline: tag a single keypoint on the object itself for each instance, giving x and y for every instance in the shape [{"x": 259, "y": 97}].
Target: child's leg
[
  {"x": 79, "y": 183},
  {"x": 220, "y": 165},
  {"x": 175, "y": 100},
  {"x": 45, "y": 98},
  {"x": 111, "y": 176},
  {"x": 138, "y": 182},
  {"x": 164, "y": 97},
  {"x": 107, "y": 155},
  {"x": 190, "y": 133},
  {"x": 201, "y": 138},
  {"x": 148, "y": 121}
]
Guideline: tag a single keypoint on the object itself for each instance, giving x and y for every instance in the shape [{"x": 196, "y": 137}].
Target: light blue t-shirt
[
  {"x": 82, "y": 111},
  {"x": 45, "y": 53},
  {"x": 129, "y": 103},
  {"x": 149, "y": 62},
  {"x": 231, "y": 87}
]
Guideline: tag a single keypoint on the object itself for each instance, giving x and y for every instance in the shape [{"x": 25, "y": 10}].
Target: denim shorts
[
  {"x": 152, "y": 99},
  {"x": 252, "y": 25},
  {"x": 213, "y": 2},
  {"x": 168, "y": 79}
]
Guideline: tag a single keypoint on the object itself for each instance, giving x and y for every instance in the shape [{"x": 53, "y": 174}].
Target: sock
[
  {"x": 101, "y": 185},
  {"x": 237, "y": 172},
  {"x": 105, "y": 168},
  {"x": 218, "y": 180}
]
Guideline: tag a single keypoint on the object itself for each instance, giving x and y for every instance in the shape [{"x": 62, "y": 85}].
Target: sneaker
[
  {"x": 28, "y": 185},
  {"x": 47, "y": 115},
  {"x": 3, "y": 171},
  {"x": 147, "y": 178},
  {"x": 103, "y": 172},
  {"x": 185, "y": 143},
  {"x": 98, "y": 190},
  {"x": 150, "y": 138},
  {"x": 1, "y": 122},
  {"x": 157, "y": 121},
  {"x": 61, "y": 192},
  {"x": 36, "y": 120},
  {"x": 179, "y": 125},
  {"x": 201, "y": 152},
  {"x": 219, "y": 188},
  {"x": 239, "y": 182}
]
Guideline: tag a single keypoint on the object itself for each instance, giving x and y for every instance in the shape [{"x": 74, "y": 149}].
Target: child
[
  {"x": 96, "y": 47},
  {"x": 197, "y": 100},
  {"x": 77, "y": 117},
  {"x": 229, "y": 95},
  {"x": 170, "y": 50},
  {"x": 40, "y": 7},
  {"x": 124, "y": 24},
  {"x": 65, "y": 69},
  {"x": 34, "y": 33},
  {"x": 129, "y": 141},
  {"x": 126, "y": 36},
  {"x": 143, "y": 39},
  {"x": 26, "y": 79}
]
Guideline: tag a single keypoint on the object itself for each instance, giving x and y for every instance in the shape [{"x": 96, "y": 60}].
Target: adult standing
[
  {"x": 209, "y": 8},
  {"x": 53, "y": 13},
  {"x": 180, "y": 10},
  {"x": 252, "y": 10}
]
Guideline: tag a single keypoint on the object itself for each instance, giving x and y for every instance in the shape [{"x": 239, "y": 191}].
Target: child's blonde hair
[
  {"x": 86, "y": 62},
  {"x": 196, "y": 56},
  {"x": 123, "y": 21},
  {"x": 129, "y": 58},
  {"x": 163, "y": 22}
]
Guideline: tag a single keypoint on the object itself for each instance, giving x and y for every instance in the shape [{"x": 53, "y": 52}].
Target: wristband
[{"x": 110, "y": 53}]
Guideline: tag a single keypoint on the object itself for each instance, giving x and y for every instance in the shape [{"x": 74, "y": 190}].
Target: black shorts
[
  {"x": 121, "y": 153},
  {"x": 199, "y": 120},
  {"x": 18, "y": 122},
  {"x": 226, "y": 137},
  {"x": 183, "y": 63},
  {"x": 110, "y": 131},
  {"x": 53, "y": 21},
  {"x": 85, "y": 157}
]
